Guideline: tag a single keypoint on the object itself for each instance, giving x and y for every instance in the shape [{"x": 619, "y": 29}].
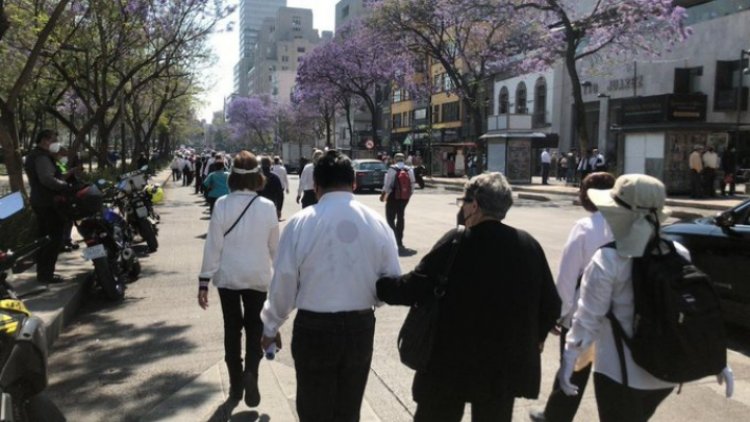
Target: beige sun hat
[{"x": 630, "y": 208}]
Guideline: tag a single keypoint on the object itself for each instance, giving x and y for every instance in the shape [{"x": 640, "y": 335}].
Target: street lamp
[{"x": 741, "y": 71}]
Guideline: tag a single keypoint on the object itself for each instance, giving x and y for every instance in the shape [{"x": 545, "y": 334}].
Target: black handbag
[{"x": 417, "y": 336}]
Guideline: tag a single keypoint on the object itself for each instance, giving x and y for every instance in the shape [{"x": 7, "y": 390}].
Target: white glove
[
  {"x": 727, "y": 376},
  {"x": 566, "y": 371}
]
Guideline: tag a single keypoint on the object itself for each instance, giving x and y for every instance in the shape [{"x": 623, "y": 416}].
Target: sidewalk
[
  {"x": 58, "y": 304},
  {"x": 556, "y": 187}
]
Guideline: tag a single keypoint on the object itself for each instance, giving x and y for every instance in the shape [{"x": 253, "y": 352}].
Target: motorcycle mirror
[
  {"x": 144, "y": 168},
  {"x": 101, "y": 182},
  {"x": 10, "y": 204}
]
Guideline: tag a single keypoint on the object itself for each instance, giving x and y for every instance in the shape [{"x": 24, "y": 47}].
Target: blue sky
[{"x": 226, "y": 48}]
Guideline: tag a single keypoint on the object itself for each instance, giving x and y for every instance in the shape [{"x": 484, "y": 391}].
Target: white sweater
[{"x": 244, "y": 258}]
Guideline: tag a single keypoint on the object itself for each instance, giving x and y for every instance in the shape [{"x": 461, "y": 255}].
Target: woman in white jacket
[{"x": 238, "y": 255}]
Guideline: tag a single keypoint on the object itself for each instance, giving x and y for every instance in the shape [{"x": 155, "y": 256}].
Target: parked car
[
  {"x": 720, "y": 246},
  {"x": 369, "y": 174}
]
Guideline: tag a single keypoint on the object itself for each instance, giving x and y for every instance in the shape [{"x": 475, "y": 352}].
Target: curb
[{"x": 533, "y": 197}]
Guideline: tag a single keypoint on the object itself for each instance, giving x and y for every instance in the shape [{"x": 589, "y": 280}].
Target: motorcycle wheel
[
  {"x": 135, "y": 270},
  {"x": 111, "y": 283},
  {"x": 41, "y": 408},
  {"x": 148, "y": 234}
]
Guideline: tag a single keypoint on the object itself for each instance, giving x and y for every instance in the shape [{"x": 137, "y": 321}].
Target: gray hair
[{"x": 492, "y": 192}]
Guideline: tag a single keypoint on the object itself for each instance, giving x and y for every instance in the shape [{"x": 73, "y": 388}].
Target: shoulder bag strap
[
  {"x": 620, "y": 337},
  {"x": 443, "y": 278},
  {"x": 241, "y": 215}
]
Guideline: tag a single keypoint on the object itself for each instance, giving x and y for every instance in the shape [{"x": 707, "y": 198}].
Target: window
[
  {"x": 436, "y": 114},
  {"x": 396, "y": 95},
  {"x": 284, "y": 59},
  {"x": 296, "y": 21},
  {"x": 451, "y": 112},
  {"x": 727, "y": 86},
  {"x": 396, "y": 121},
  {"x": 447, "y": 83},
  {"x": 345, "y": 12},
  {"x": 687, "y": 80},
  {"x": 405, "y": 118},
  {"x": 437, "y": 83},
  {"x": 300, "y": 49},
  {"x": 503, "y": 101},
  {"x": 284, "y": 67},
  {"x": 540, "y": 102},
  {"x": 521, "y": 98}
]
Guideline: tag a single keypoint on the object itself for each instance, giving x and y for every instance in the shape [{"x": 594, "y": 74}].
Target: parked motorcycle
[
  {"x": 23, "y": 344},
  {"x": 135, "y": 203},
  {"x": 108, "y": 239}
]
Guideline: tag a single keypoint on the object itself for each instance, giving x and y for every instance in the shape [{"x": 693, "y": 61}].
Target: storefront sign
[
  {"x": 625, "y": 84},
  {"x": 664, "y": 108}
]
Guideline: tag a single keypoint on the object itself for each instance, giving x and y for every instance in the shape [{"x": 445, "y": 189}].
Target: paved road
[{"x": 119, "y": 362}]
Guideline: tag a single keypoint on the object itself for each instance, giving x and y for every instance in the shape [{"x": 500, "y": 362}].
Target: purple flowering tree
[
  {"x": 571, "y": 30},
  {"x": 252, "y": 121},
  {"x": 471, "y": 39},
  {"x": 354, "y": 64}
]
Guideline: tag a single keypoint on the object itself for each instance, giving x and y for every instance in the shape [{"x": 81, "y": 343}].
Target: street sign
[{"x": 369, "y": 144}]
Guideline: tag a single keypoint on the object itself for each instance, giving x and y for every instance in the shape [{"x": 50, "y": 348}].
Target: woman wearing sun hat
[{"x": 633, "y": 208}]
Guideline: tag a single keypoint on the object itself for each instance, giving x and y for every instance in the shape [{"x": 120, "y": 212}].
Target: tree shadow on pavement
[{"x": 89, "y": 368}]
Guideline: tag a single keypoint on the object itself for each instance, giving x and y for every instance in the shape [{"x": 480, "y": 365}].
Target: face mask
[
  {"x": 54, "y": 147},
  {"x": 64, "y": 160}
]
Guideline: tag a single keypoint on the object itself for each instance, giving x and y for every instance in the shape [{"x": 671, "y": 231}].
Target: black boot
[
  {"x": 252, "y": 394},
  {"x": 236, "y": 385}
]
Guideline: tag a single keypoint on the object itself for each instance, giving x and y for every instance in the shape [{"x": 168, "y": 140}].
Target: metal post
[{"x": 741, "y": 72}]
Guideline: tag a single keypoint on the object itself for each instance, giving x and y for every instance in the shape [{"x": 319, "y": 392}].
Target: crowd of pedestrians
[{"x": 336, "y": 260}]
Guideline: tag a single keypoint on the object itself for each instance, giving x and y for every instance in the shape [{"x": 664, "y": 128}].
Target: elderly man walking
[{"x": 329, "y": 259}]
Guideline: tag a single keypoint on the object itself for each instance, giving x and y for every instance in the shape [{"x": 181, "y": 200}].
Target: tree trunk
[
  {"x": 580, "y": 109},
  {"x": 11, "y": 152}
]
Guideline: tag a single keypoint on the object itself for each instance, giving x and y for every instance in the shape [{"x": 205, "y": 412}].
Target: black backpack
[{"x": 678, "y": 331}]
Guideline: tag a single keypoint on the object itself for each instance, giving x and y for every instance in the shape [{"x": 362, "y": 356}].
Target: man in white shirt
[
  {"x": 396, "y": 193},
  {"x": 710, "y": 164},
  {"x": 279, "y": 170},
  {"x": 625, "y": 391},
  {"x": 329, "y": 259},
  {"x": 306, "y": 189},
  {"x": 585, "y": 238},
  {"x": 546, "y": 160}
]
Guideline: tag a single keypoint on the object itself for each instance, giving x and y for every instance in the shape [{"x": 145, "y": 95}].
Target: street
[{"x": 121, "y": 362}]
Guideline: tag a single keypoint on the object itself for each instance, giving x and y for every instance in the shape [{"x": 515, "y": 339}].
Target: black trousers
[
  {"x": 498, "y": 409},
  {"x": 332, "y": 354},
  {"x": 545, "y": 173},
  {"x": 394, "y": 215},
  {"x": 709, "y": 175},
  {"x": 560, "y": 406},
  {"x": 241, "y": 310},
  {"x": 280, "y": 205},
  {"x": 49, "y": 223},
  {"x": 198, "y": 182},
  {"x": 309, "y": 198},
  {"x": 211, "y": 201},
  {"x": 618, "y": 403},
  {"x": 696, "y": 184}
]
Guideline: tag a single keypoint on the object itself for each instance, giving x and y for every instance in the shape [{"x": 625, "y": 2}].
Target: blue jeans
[{"x": 332, "y": 354}]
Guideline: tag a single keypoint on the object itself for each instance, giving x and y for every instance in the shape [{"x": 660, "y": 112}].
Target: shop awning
[{"x": 506, "y": 135}]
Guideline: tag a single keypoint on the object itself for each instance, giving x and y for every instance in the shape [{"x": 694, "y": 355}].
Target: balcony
[
  {"x": 540, "y": 120},
  {"x": 509, "y": 122}
]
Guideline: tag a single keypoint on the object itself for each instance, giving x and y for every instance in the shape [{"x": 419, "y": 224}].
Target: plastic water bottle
[{"x": 271, "y": 351}]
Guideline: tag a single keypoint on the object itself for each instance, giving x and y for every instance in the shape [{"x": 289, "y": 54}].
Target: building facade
[
  {"x": 282, "y": 42},
  {"x": 252, "y": 13}
]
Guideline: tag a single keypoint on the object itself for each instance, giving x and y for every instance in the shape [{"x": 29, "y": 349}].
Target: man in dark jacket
[
  {"x": 273, "y": 190},
  {"x": 46, "y": 182},
  {"x": 499, "y": 304}
]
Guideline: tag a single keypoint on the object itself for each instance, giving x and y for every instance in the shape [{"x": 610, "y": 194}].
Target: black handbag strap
[
  {"x": 443, "y": 278},
  {"x": 241, "y": 215},
  {"x": 620, "y": 337}
]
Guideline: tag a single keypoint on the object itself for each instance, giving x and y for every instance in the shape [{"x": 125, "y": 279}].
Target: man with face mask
[{"x": 46, "y": 181}]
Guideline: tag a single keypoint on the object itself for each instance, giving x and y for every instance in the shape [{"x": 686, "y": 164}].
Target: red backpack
[{"x": 402, "y": 184}]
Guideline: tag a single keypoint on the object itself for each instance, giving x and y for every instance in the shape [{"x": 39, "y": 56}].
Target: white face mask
[
  {"x": 54, "y": 147},
  {"x": 64, "y": 160}
]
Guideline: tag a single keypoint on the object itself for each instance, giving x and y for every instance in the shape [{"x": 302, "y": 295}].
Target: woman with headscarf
[{"x": 238, "y": 256}]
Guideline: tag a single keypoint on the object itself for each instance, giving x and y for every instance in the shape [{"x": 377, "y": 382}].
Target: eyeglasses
[{"x": 462, "y": 200}]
